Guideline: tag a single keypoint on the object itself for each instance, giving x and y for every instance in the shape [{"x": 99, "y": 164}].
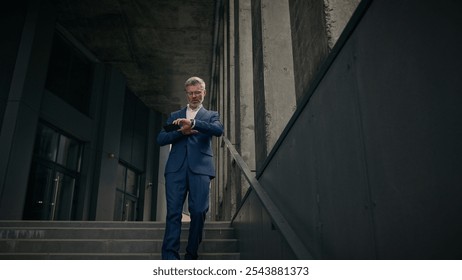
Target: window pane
[
  {"x": 38, "y": 200},
  {"x": 46, "y": 143},
  {"x": 130, "y": 210},
  {"x": 69, "y": 75},
  {"x": 69, "y": 153},
  {"x": 65, "y": 198},
  {"x": 126, "y": 194},
  {"x": 120, "y": 183},
  {"x": 132, "y": 183},
  {"x": 119, "y": 206}
]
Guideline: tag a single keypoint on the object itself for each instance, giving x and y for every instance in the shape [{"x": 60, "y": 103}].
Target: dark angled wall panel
[
  {"x": 11, "y": 25},
  {"x": 370, "y": 165}
]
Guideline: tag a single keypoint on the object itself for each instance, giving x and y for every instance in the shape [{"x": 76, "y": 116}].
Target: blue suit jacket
[{"x": 195, "y": 148}]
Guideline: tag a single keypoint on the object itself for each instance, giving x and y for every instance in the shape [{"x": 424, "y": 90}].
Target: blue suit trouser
[{"x": 177, "y": 186}]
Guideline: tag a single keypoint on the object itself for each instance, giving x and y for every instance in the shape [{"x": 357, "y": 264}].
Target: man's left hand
[{"x": 185, "y": 126}]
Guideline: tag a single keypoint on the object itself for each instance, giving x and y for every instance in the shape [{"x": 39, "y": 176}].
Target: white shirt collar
[
  {"x": 194, "y": 110},
  {"x": 191, "y": 114}
]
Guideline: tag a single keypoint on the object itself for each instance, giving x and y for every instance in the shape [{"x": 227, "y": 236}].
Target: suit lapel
[
  {"x": 183, "y": 112},
  {"x": 202, "y": 112}
]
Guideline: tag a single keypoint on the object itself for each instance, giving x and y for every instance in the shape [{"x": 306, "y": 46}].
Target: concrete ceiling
[{"x": 156, "y": 44}]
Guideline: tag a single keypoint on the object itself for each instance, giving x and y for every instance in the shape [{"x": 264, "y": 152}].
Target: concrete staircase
[{"x": 89, "y": 240}]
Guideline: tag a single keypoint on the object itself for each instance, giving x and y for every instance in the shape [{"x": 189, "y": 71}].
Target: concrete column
[
  {"x": 338, "y": 13},
  {"x": 111, "y": 129},
  {"x": 152, "y": 163},
  {"x": 245, "y": 133},
  {"x": 279, "y": 85},
  {"x": 229, "y": 31},
  {"x": 222, "y": 105},
  {"x": 22, "y": 104},
  {"x": 223, "y": 200},
  {"x": 231, "y": 73},
  {"x": 161, "y": 200}
]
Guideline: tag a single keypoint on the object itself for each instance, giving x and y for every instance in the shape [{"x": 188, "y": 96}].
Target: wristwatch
[{"x": 193, "y": 123}]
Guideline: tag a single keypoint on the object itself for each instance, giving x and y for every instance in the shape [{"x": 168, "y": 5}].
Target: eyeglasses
[{"x": 191, "y": 93}]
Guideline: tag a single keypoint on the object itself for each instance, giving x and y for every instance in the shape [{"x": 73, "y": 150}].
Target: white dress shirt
[{"x": 191, "y": 113}]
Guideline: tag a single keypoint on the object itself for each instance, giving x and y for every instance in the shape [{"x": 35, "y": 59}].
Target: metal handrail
[{"x": 280, "y": 222}]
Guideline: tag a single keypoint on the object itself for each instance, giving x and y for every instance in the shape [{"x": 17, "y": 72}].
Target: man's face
[{"x": 195, "y": 95}]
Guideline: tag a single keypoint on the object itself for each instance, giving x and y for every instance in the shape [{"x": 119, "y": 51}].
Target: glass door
[
  {"x": 54, "y": 176},
  {"x": 63, "y": 197},
  {"x": 38, "y": 206},
  {"x": 127, "y": 194}
]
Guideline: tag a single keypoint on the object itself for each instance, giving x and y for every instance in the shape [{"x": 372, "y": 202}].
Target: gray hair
[{"x": 194, "y": 81}]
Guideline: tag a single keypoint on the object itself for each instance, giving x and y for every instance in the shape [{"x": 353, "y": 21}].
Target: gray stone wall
[
  {"x": 261, "y": 149},
  {"x": 310, "y": 41},
  {"x": 316, "y": 27}
]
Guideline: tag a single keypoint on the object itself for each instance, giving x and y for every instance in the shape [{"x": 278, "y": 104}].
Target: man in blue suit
[{"x": 189, "y": 168}]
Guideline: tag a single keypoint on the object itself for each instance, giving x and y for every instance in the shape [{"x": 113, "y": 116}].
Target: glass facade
[
  {"x": 54, "y": 176},
  {"x": 127, "y": 194},
  {"x": 70, "y": 75}
]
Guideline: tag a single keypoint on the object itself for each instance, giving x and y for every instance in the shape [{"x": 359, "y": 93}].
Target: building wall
[
  {"x": 310, "y": 41},
  {"x": 134, "y": 131},
  {"x": 11, "y": 36},
  {"x": 138, "y": 150},
  {"x": 261, "y": 148},
  {"x": 286, "y": 55},
  {"x": 23, "y": 96},
  {"x": 282, "y": 44},
  {"x": 258, "y": 236},
  {"x": 368, "y": 166},
  {"x": 117, "y": 126}
]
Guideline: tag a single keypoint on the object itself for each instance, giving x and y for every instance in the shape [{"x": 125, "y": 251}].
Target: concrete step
[
  {"x": 106, "y": 246},
  {"x": 100, "y": 224},
  {"x": 105, "y": 240},
  {"x": 107, "y": 256},
  {"x": 103, "y": 233}
]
